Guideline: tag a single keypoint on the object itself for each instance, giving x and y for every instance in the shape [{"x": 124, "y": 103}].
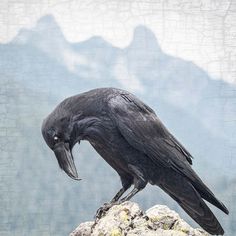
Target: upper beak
[{"x": 66, "y": 160}]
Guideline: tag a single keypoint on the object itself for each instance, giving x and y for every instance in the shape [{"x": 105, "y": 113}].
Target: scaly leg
[
  {"x": 130, "y": 195},
  {"x": 126, "y": 183},
  {"x": 138, "y": 186}
]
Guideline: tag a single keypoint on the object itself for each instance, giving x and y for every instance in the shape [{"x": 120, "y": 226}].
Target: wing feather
[{"x": 143, "y": 130}]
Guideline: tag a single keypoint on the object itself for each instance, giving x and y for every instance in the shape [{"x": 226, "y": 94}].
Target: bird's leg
[
  {"x": 102, "y": 210},
  {"x": 130, "y": 195},
  {"x": 139, "y": 184},
  {"x": 120, "y": 193},
  {"x": 106, "y": 206},
  {"x": 126, "y": 183}
]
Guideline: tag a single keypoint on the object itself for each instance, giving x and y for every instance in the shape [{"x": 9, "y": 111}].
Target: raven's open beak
[{"x": 66, "y": 160}]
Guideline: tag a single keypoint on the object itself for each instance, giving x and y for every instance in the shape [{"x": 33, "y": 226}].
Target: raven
[{"x": 132, "y": 140}]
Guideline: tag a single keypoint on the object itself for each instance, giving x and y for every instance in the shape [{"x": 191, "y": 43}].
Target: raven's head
[{"x": 59, "y": 134}]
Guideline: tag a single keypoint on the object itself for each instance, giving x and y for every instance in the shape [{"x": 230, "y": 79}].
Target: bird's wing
[{"x": 142, "y": 129}]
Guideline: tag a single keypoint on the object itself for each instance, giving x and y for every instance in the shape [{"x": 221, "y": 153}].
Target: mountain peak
[
  {"x": 47, "y": 24},
  {"x": 46, "y": 29},
  {"x": 47, "y": 19},
  {"x": 144, "y": 38}
]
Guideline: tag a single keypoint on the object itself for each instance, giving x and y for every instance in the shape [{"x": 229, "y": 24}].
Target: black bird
[{"x": 133, "y": 141}]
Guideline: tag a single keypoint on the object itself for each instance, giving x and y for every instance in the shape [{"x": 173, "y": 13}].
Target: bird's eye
[{"x": 56, "y": 139}]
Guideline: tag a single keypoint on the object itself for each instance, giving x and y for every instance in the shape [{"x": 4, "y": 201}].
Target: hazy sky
[{"x": 200, "y": 31}]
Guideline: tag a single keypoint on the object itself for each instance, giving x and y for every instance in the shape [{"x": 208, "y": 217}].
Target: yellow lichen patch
[
  {"x": 185, "y": 230},
  {"x": 156, "y": 218},
  {"x": 127, "y": 211},
  {"x": 116, "y": 232},
  {"x": 166, "y": 226},
  {"x": 124, "y": 216}
]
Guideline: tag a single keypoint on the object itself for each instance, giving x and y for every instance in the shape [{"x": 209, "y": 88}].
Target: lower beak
[{"x": 66, "y": 160}]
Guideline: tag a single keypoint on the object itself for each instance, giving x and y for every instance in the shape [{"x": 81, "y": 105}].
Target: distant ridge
[{"x": 41, "y": 57}]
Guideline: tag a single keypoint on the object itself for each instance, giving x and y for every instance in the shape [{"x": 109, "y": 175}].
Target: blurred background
[{"x": 178, "y": 57}]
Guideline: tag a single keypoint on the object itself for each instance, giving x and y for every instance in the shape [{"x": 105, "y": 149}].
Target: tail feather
[
  {"x": 205, "y": 218},
  {"x": 182, "y": 190},
  {"x": 206, "y": 193}
]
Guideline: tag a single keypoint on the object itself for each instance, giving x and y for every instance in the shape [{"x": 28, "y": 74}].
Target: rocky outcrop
[{"x": 128, "y": 219}]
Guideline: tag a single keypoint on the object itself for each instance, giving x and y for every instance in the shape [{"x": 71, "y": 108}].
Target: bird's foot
[{"x": 103, "y": 209}]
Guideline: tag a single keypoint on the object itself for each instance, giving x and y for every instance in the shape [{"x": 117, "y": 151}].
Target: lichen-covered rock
[
  {"x": 83, "y": 229},
  {"x": 128, "y": 219}
]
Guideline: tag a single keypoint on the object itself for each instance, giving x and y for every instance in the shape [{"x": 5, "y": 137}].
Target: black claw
[{"x": 103, "y": 209}]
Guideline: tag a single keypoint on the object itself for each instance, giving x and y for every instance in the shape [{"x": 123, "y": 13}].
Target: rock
[
  {"x": 83, "y": 229},
  {"x": 127, "y": 219}
]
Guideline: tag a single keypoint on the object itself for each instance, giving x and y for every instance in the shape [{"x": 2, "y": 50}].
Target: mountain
[
  {"x": 142, "y": 68},
  {"x": 40, "y": 67}
]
